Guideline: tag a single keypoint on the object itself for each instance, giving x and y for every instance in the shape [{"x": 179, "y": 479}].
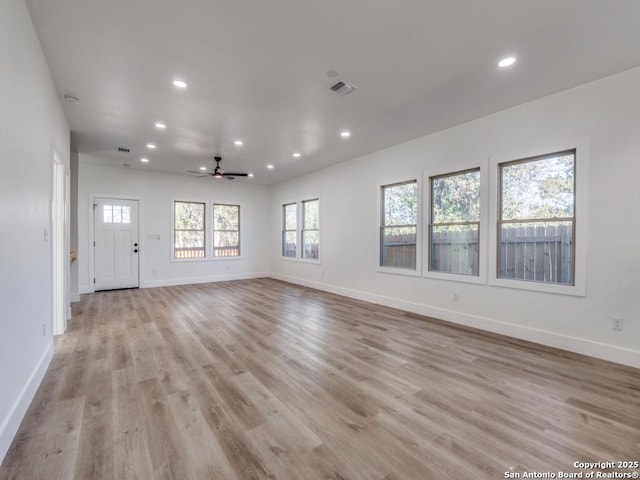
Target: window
[
  {"x": 455, "y": 223},
  {"x": 116, "y": 214},
  {"x": 311, "y": 229},
  {"x": 289, "y": 230},
  {"x": 189, "y": 232},
  {"x": 226, "y": 230},
  {"x": 536, "y": 219},
  {"x": 398, "y": 230}
]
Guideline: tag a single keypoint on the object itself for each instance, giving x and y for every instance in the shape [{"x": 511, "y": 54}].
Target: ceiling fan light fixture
[{"x": 219, "y": 172}]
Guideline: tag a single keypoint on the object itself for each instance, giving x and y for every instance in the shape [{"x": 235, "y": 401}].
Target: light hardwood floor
[{"x": 262, "y": 379}]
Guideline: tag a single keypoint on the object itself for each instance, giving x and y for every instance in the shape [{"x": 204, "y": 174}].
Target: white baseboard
[
  {"x": 82, "y": 289},
  {"x": 11, "y": 422},
  {"x": 612, "y": 353},
  {"x": 74, "y": 297},
  {"x": 205, "y": 279}
]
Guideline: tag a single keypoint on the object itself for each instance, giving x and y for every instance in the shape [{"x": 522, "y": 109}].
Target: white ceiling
[{"x": 257, "y": 71}]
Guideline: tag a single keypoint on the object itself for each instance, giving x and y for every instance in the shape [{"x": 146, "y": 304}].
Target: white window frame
[
  {"x": 173, "y": 231},
  {"x": 310, "y": 198},
  {"x": 240, "y": 222},
  {"x": 581, "y": 180},
  {"x": 483, "y": 237},
  {"x": 282, "y": 230},
  {"x": 387, "y": 182}
]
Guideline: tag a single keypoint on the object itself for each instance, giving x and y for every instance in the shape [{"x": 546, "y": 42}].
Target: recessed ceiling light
[
  {"x": 250, "y": 174},
  {"x": 239, "y": 143},
  {"x": 507, "y": 62},
  {"x": 203, "y": 168},
  {"x": 151, "y": 146},
  {"x": 144, "y": 160},
  {"x": 297, "y": 155},
  {"x": 345, "y": 134},
  {"x": 179, "y": 84},
  {"x": 160, "y": 126},
  {"x": 270, "y": 166}
]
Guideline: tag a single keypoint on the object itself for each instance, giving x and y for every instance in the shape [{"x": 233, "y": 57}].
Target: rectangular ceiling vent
[{"x": 342, "y": 88}]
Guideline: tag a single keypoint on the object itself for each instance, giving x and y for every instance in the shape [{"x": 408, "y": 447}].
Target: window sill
[
  {"x": 218, "y": 259},
  {"x": 572, "y": 290},
  {"x": 399, "y": 271},
  {"x": 290, "y": 259},
  {"x": 454, "y": 277},
  {"x": 204, "y": 259},
  {"x": 312, "y": 261},
  {"x": 188, "y": 260}
]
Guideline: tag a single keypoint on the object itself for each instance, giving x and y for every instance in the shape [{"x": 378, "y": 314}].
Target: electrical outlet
[
  {"x": 456, "y": 296},
  {"x": 154, "y": 272},
  {"x": 618, "y": 324}
]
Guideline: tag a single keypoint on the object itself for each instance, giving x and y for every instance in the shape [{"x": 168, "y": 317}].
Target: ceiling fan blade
[
  {"x": 236, "y": 174},
  {"x": 201, "y": 174}
]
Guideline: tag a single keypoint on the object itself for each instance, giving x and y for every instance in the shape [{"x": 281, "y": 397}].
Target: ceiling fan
[{"x": 218, "y": 172}]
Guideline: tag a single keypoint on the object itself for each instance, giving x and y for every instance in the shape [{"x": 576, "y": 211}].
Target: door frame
[
  {"x": 92, "y": 229},
  {"x": 59, "y": 259}
]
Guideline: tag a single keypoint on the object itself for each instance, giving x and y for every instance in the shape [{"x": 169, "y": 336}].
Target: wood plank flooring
[{"x": 260, "y": 379}]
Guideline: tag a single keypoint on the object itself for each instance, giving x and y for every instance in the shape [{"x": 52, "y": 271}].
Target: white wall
[
  {"x": 603, "y": 116},
  {"x": 31, "y": 125},
  {"x": 156, "y": 192}
]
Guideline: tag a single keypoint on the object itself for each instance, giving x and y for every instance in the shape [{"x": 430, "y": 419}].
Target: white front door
[{"x": 116, "y": 244}]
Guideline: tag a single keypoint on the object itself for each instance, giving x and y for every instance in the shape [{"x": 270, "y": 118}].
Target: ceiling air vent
[
  {"x": 123, "y": 150},
  {"x": 342, "y": 88}
]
